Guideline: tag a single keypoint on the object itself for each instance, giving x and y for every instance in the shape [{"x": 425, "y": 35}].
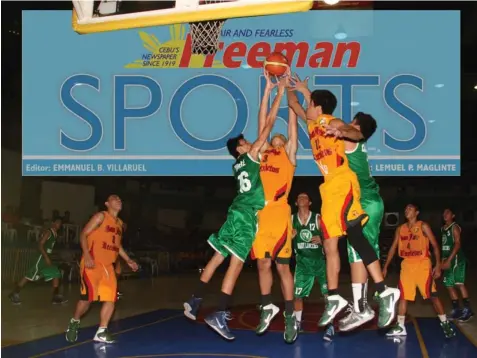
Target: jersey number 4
[{"x": 244, "y": 182}]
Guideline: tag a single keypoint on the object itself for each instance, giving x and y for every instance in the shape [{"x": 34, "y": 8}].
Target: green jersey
[
  {"x": 448, "y": 241},
  {"x": 50, "y": 242},
  {"x": 358, "y": 162},
  {"x": 249, "y": 185},
  {"x": 303, "y": 246}
]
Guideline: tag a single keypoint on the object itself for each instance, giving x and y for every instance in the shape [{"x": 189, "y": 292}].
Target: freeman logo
[
  {"x": 110, "y": 247},
  {"x": 269, "y": 168}
]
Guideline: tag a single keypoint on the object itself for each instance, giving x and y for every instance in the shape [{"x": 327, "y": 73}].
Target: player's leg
[
  {"x": 323, "y": 283},
  {"x": 107, "y": 291},
  {"x": 32, "y": 275},
  {"x": 407, "y": 285},
  {"x": 238, "y": 246},
  {"x": 14, "y": 296},
  {"x": 303, "y": 285},
  {"x": 53, "y": 274},
  {"x": 449, "y": 283},
  {"x": 216, "y": 241},
  {"x": 459, "y": 275},
  {"x": 90, "y": 279}
]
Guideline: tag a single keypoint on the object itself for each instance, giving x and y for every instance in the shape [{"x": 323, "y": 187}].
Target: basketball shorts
[
  {"x": 374, "y": 207},
  {"x": 236, "y": 235},
  {"x": 306, "y": 272},
  {"x": 455, "y": 275},
  {"x": 273, "y": 239},
  {"x": 341, "y": 207},
  {"x": 416, "y": 274},
  {"x": 98, "y": 283},
  {"x": 41, "y": 271}
]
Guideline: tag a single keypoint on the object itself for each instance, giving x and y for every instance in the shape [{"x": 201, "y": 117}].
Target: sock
[
  {"x": 74, "y": 320},
  {"x": 101, "y": 330},
  {"x": 56, "y": 291},
  {"x": 289, "y": 306},
  {"x": 17, "y": 289},
  {"x": 466, "y": 302},
  {"x": 401, "y": 320},
  {"x": 380, "y": 286},
  {"x": 199, "y": 291},
  {"x": 455, "y": 304},
  {"x": 332, "y": 292},
  {"x": 298, "y": 315},
  {"x": 358, "y": 297},
  {"x": 266, "y": 300},
  {"x": 224, "y": 301},
  {"x": 442, "y": 317}
]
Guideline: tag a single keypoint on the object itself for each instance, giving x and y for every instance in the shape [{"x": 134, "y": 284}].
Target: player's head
[
  {"x": 114, "y": 203},
  {"x": 365, "y": 123},
  {"x": 411, "y": 211},
  {"x": 278, "y": 140},
  {"x": 303, "y": 200},
  {"x": 322, "y": 102},
  {"x": 238, "y": 145},
  {"x": 56, "y": 223},
  {"x": 448, "y": 215}
]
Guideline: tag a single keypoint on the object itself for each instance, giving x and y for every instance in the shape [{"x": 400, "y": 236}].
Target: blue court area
[{"x": 166, "y": 333}]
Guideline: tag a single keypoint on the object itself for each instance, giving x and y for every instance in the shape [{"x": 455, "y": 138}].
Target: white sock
[
  {"x": 75, "y": 320},
  {"x": 401, "y": 320},
  {"x": 358, "y": 289},
  {"x": 298, "y": 315},
  {"x": 442, "y": 317},
  {"x": 101, "y": 330}
]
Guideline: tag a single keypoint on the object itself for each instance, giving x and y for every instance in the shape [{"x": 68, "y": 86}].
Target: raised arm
[
  {"x": 263, "y": 112},
  {"x": 392, "y": 251},
  {"x": 301, "y": 86},
  {"x": 340, "y": 129},
  {"x": 292, "y": 144}
]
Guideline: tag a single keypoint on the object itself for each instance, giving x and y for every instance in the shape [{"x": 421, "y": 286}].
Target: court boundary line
[
  {"x": 420, "y": 338},
  {"x": 53, "y": 351}
]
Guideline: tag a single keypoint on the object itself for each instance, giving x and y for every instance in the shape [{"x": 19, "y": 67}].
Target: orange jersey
[
  {"x": 328, "y": 152},
  {"x": 105, "y": 241},
  {"x": 276, "y": 173},
  {"x": 413, "y": 243}
]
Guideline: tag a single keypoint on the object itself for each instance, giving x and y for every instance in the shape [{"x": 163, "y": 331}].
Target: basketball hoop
[{"x": 205, "y": 34}]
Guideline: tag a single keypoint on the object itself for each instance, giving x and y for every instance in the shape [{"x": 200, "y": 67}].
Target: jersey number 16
[{"x": 244, "y": 182}]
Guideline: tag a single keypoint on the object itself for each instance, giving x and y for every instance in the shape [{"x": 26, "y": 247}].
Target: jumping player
[
  {"x": 310, "y": 258},
  {"x": 273, "y": 241},
  {"x": 372, "y": 203},
  {"x": 412, "y": 241},
  {"x": 341, "y": 211},
  {"x": 454, "y": 264},
  {"x": 101, "y": 244},
  {"x": 43, "y": 269},
  {"x": 237, "y": 234}
]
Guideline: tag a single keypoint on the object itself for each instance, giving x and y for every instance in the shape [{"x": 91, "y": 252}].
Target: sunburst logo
[{"x": 174, "y": 53}]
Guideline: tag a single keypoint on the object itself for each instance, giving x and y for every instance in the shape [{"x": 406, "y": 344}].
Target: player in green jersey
[
  {"x": 454, "y": 265},
  {"x": 373, "y": 205},
  {"x": 236, "y": 236},
  {"x": 43, "y": 269},
  {"x": 310, "y": 258}
]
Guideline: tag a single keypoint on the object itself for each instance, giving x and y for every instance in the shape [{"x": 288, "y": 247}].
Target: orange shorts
[
  {"x": 98, "y": 283},
  {"x": 341, "y": 207},
  {"x": 416, "y": 273},
  {"x": 273, "y": 239}
]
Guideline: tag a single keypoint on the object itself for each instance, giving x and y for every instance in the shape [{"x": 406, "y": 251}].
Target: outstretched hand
[
  {"x": 270, "y": 84},
  {"x": 297, "y": 84},
  {"x": 332, "y": 131}
]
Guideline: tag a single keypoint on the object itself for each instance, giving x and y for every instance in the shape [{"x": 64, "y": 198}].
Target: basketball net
[{"x": 205, "y": 34}]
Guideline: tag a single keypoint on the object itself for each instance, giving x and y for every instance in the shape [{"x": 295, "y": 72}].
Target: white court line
[{"x": 215, "y": 157}]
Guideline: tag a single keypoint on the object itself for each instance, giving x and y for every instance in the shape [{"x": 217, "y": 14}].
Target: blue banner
[{"x": 138, "y": 102}]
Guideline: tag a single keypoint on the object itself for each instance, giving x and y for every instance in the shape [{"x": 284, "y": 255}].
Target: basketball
[{"x": 276, "y": 64}]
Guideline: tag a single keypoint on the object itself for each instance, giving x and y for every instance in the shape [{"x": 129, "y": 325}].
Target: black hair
[
  {"x": 416, "y": 206},
  {"x": 367, "y": 124},
  {"x": 450, "y": 209},
  {"x": 232, "y": 144},
  {"x": 325, "y": 99},
  {"x": 57, "y": 218}
]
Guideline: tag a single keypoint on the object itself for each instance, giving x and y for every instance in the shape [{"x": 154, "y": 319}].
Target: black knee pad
[{"x": 361, "y": 245}]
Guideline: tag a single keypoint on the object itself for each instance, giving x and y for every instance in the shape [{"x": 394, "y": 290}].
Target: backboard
[{"x": 98, "y": 16}]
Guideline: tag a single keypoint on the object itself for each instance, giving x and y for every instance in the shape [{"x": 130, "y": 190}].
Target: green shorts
[
  {"x": 41, "y": 271},
  {"x": 456, "y": 274},
  {"x": 305, "y": 277},
  {"x": 374, "y": 207},
  {"x": 237, "y": 234}
]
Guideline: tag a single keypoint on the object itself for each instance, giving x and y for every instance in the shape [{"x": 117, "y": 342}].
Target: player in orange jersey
[
  {"x": 412, "y": 241},
  {"x": 341, "y": 212},
  {"x": 273, "y": 241},
  {"x": 101, "y": 244}
]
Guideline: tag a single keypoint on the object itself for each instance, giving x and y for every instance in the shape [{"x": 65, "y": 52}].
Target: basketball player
[
  {"x": 310, "y": 258},
  {"x": 101, "y": 244},
  {"x": 43, "y": 269},
  {"x": 341, "y": 211},
  {"x": 237, "y": 234},
  {"x": 372, "y": 203},
  {"x": 454, "y": 264},
  {"x": 273, "y": 241},
  {"x": 412, "y": 241}
]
